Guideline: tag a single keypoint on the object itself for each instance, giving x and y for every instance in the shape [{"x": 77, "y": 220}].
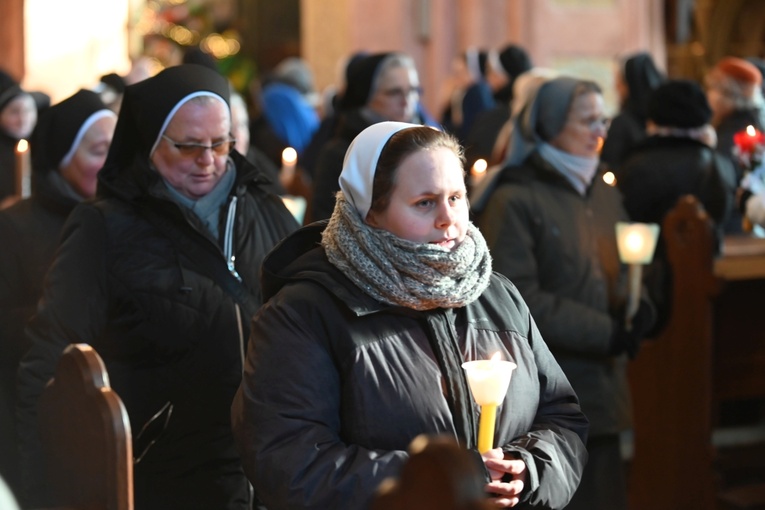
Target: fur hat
[
  {"x": 740, "y": 70},
  {"x": 679, "y": 103}
]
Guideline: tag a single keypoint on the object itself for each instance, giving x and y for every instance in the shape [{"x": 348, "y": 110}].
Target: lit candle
[
  {"x": 23, "y": 169},
  {"x": 478, "y": 171},
  {"x": 488, "y": 381},
  {"x": 636, "y": 243},
  {"x": 289, "y": 162}
]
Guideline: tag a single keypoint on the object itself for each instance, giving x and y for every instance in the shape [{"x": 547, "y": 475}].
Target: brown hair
[{"x": 401, "y": 145}]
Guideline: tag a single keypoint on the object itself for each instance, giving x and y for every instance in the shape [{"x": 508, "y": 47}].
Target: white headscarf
[{"x": 360, "y": 163}]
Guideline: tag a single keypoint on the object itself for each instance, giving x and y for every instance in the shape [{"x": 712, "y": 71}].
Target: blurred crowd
[{"x": 558, "y": 172}]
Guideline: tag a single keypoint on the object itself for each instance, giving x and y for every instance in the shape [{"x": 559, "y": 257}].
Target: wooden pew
[
  {"x": 86, "y": 436},
  {"x": 712, "y": 350}
]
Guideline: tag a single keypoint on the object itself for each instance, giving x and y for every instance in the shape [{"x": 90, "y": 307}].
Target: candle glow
[
  {"x": 479, "y": 167},
  {"x": 636, "y": 241},
  {"x": 488, "y": 381}
]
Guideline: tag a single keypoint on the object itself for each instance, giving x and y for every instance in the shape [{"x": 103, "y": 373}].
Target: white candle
[
  {"x": 488, "y": 381},
  {"x": 23, "y": 169},
  {"x": 478, "y": 171},
  {"x": 289, "y": 162},
  {"x": 636, "y": 243}
]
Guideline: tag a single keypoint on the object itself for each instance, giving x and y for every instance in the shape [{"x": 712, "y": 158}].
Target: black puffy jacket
[{"x": 338, "y": 384}]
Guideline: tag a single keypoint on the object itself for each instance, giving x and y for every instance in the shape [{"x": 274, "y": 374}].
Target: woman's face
[
  {"x": 585, "y": 126},
  {"x": 193, "y": 171},
  {"x": 397, "y": 95},
  {"x": 19, "y": 117},
  {"x": 429, "y": 200},
  {"x": 82, "y": 171}
]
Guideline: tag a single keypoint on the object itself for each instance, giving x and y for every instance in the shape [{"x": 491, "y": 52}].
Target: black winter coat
[
  {"x": 171, "y": 337},
  {"x": 29, "y": 232},
  {"x": 662, "y": 169},
  {"x": 338, "y": 384}
]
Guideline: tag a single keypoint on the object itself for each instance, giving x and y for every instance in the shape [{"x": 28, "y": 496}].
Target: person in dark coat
[
  {"x": 675, "y": 160},
  {"x": 18, "y": 116},
  {"x": 734, "y": 94},
  {"x": 359, "y": 347},
  {"x": 381, "y": 87},
  {"x": 467, "y": 94},
  {"x": 503, "y": 68},
  {"x": 636, "y": 78},
  {"x": 69, "y": 146},
  {"x": 160, "y": 275},
  {"x": 550, "y": 226}
]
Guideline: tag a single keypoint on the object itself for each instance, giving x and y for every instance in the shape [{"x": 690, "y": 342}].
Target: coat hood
[{"x": 300, "y": 257}]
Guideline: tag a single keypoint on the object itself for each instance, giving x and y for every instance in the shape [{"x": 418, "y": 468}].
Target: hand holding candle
[
  {"x": 636, "y": 243},
  {"x": 488, "y": 381}
]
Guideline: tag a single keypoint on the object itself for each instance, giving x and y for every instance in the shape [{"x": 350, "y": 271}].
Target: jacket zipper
[
  {"x": 228, "y": 239},
  {"x": 228, "y": 253}
]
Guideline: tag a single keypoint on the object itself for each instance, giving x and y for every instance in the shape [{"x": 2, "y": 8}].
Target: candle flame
[
  {"x": 634, "y": 241},
  {"x": 479, "y": 167},
  {"x": 497, "y": 356},
  {"x": 22, "y": 146},
  {"x": 750, "y": 130},
  {"x": 289, "y": 155},
  {"x": 609, "y": 178}
]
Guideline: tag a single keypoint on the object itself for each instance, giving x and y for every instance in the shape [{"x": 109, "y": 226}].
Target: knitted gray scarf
[{"x": 400, "y": 272}]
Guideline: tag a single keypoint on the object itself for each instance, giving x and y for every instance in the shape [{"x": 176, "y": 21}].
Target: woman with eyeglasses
[
  {"x": 160, "y": 274},
  {"x": 381, "y": 87},
  {"x": 550, "y": 227}
]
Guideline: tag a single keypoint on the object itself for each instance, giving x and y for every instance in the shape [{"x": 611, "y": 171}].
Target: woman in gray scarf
[
  {"x": 359, "y": 348},
  {"x": 550, "y": 226}
]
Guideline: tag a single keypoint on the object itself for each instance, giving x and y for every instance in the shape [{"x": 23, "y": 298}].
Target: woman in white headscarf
[{"x": 370, "y": 316}]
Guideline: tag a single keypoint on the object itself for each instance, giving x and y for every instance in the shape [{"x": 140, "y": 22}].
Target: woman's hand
[{"x": 506, "y": 494}]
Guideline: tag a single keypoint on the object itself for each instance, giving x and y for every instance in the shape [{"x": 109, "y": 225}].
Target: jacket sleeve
[
  {"x": 511, "y": 233},
  {"x": 554, "y": 448},
  {"x": 286, "y": 421},
  {"x": 13, "y": 311},
  {"x": 72, "y": 310}
]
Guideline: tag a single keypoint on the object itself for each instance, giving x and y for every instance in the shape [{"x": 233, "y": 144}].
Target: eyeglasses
[
  {"x": 222, "y": 148},
  {"x": 399, "y": 93},
  {"x": 596, "y": 123}
]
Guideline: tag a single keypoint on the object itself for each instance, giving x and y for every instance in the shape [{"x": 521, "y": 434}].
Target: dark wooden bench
[
  {"x": 86, "y": 436},
  {"x": 712, "y": 352}
]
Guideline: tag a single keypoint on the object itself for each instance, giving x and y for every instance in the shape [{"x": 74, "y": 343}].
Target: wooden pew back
[{"x": 86, "y": 435}]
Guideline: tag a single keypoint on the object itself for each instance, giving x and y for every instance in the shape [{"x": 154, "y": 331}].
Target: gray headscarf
[{"x": 542, "y": 119}]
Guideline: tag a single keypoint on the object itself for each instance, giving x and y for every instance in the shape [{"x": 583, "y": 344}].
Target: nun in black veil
[
  {"x": 69, "y": 146},
  {"x": 636, "y": 77},
  {"x": 160, "y": 274}
]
